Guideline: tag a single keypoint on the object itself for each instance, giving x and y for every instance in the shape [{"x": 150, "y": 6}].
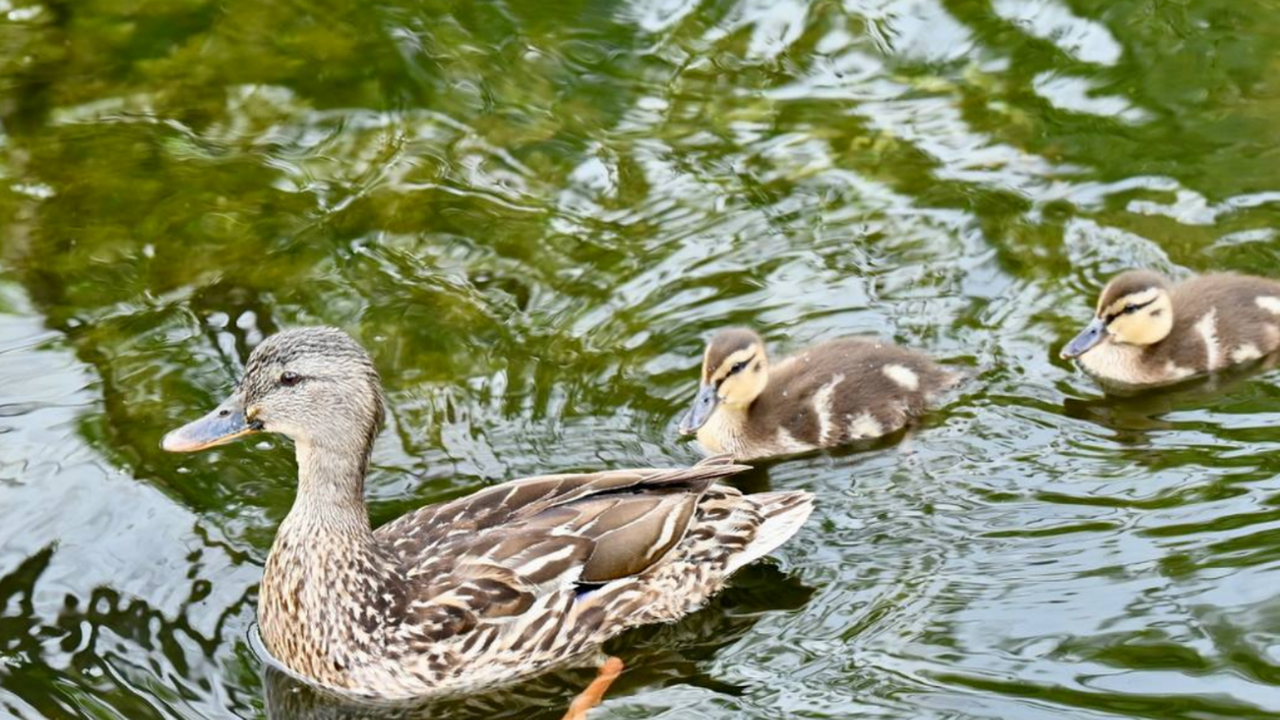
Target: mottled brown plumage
[
  {"x": 511, "y": 580},
  {"x": 1148, "y": 331},
  {"x": 831, "y": 394}
]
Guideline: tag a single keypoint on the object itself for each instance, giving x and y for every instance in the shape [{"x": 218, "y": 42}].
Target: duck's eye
[
  {"x": 289, "y": 378},
  {"x": 738, "y": 367},
  {"x": 1130, "y": 309}
]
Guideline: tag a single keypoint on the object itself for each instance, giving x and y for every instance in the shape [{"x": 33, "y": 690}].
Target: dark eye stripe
[
  {"x": 735, "y": 369},
  {"x": 1129, "y": 309}
]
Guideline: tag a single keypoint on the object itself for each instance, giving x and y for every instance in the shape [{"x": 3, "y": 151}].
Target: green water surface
[{"x": 533, "y": 213}]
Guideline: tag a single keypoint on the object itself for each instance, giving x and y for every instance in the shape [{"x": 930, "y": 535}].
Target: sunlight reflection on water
[{"x": 533, "y": 216}]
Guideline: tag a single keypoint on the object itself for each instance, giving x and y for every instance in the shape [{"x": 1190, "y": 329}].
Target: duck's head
[
  {"x": 735, "y": 370},
  {"x": 1134, "y": 309},
  {"x": 316, "y": 386}
]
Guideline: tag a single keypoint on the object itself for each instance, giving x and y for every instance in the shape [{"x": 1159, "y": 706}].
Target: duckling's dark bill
[
  {"x": 1088, "y": 338},
  {"x": 703, "y": 405},
  {"x": 226, "y": 423}
]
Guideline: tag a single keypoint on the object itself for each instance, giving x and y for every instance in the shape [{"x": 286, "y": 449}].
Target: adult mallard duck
[
  {"x": 1148, "y": 331},
  {"x": 511, "y": 580},
  {"x": 830, "y": 394}
]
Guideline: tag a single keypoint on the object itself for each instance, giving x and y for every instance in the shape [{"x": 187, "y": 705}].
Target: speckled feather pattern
[{"x": 509, "y": 581}]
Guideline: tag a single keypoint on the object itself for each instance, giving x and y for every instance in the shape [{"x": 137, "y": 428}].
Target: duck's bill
[
  {"x": 1088, "y": 338},
  {"x": 226, "y": 423},
  {"x": 703, "y": 405}
]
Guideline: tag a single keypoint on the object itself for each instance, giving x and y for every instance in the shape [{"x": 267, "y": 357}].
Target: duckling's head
[
  {"x": 1134, "y": 309},
  {"x": 316, "y": 386},
  {"x": 735, "y": 370}
]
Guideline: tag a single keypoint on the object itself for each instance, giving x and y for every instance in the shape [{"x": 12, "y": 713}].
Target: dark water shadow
[
  {"x": 655, "y": 656},
  {"x": 1134, "y": 411}
]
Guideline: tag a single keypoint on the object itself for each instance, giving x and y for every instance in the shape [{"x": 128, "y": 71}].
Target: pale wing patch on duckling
[
  {"x": 1245, "y": 352},
  {"x": 1207, "y": 326},
  {"x": 1272, "y": 334},
  {"x": 822, "y": 402},
  {"x": 787, "y": 443},
  {"x": 903, "y": 375},
  {"x": 865, "y": 426},
  {"x": 1270, "y": 303},
  {"x": 1174, "y": 371}
]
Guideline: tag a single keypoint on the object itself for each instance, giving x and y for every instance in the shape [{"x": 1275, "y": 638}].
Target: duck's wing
[
  {"x": 512, "y": 504},
  {"x": 496, "y": 553}
]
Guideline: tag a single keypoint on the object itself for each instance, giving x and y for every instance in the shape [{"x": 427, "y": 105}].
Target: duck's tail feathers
[{"x": 783, "y": 513}]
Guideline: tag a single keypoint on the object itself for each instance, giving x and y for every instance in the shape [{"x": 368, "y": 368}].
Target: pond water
[{"x": 533, "y": 212}]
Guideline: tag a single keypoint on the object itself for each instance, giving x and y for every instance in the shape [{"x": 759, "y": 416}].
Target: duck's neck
[
  {"x": 724, "y": 430},
  {"x": 325, "y": 570},
  {"x": 331, "y": 492}
]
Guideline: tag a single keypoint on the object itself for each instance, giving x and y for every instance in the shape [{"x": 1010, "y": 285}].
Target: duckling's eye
[
  {"x": 1130, "y": 309},
  {"x": 289, "y": 378},
  {"x": 738, "y": 367}
]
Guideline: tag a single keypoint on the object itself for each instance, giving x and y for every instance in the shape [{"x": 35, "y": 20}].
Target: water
[{"x": 533, "y": 213}]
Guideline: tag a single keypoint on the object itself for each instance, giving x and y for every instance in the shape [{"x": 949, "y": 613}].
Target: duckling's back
[
  {"x": 842, "y": 391},
  {"x": 1220, "y": 320}
]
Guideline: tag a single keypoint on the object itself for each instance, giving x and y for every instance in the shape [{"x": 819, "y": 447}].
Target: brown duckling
[
  {"x": 1148, "y": 331},
  {"x": 514, "y": 579},
  {"x": 830, "y": 394}
]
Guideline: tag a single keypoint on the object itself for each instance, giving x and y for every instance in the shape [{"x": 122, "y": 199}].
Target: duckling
[
  {"x": 831, "y": 394},
  {"x": 511, "y": 580},
  {"x": 1147, "y": 331}
]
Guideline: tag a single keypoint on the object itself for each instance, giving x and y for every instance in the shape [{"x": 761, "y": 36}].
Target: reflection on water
[
  {"x": 1131, "y": 410},
  {"x": 533, "y": 214}
]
